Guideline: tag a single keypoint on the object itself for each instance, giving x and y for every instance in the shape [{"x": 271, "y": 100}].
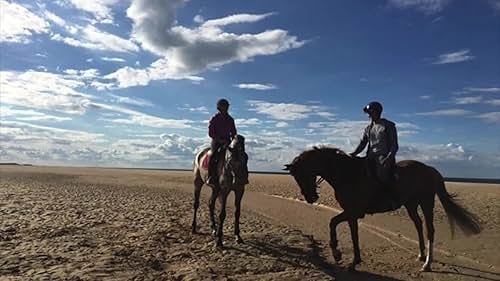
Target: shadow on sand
[
  {"x": 475, "y": 273},
  {"x": 311, "y": 255}
]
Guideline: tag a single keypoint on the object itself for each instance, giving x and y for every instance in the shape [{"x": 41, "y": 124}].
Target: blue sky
[{"x": 133, "y": 83}]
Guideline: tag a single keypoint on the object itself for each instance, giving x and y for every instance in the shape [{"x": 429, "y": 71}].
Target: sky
[{"x": 134, "y": 83}]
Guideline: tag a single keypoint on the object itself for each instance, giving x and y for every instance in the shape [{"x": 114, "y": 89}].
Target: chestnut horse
[{"x": 416, "y": 185}]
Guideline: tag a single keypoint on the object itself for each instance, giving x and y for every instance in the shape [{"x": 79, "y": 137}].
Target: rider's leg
[
  {"x": 212, "y": 169},
  {"x": 385, "y": 175}
]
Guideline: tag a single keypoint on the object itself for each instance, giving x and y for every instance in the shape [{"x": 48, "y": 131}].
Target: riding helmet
[
  {"x": 222, "y": 102},
  {"x": 373, "y": 106}
]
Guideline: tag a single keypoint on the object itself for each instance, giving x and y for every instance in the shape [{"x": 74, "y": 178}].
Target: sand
[{"x": 109, "y": 224}]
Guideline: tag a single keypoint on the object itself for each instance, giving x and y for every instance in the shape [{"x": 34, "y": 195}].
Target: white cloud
[
  {"x": 101, "y": 9},
  {"x": 200, "y": 109},
  {"x": 495, "y": 102},
  {"x": 28, "y": 115},
  {"x": 468, "y": 100},
  {"x": 187, "y": 52},
  {"x": 198, "y": 19},
  {"x": 247, "y": 122},
  {"x": 490, "y": 117},
  {"x": 132, "y": 101},
  {"x": 425, "y": 97},
  {"x": 426, "y": 6},
  {"x": 91, "y": 37},
  {"x": 454, "y": 57},
  {"x": 18, "y": 24},
  {"x": 159, "y": 70},
  {"x": 54, "y": 18},
  {"x": 446, "y": 112},
  {"x": 256, "y": 86},
  {"x": 484, "y": 90},
  {"x": 233, "y": 19},
  {"x": 287, "y": 111},
  {"x": 43, "y": 90},
  {"x": 139, "y": 118},
  {"x": 281, "y": 124},
  {"x": 113, "y": 59}
]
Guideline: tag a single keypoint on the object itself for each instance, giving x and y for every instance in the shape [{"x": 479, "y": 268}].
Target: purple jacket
[{"x": 221, "y": 126}]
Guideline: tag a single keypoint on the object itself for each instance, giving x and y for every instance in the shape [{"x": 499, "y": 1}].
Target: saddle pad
[{"x": 205, "y": 162}]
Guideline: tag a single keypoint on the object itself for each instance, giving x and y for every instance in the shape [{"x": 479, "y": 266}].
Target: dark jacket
[
  {"x": 381, "y": 138},
  {"x": 221, "y": 127}
]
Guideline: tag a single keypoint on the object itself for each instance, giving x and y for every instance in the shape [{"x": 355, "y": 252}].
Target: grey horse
[{"x": 230, "y": 169}]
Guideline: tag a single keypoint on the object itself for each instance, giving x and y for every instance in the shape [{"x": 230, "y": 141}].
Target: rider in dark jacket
[{"x": 382, "y": 140}]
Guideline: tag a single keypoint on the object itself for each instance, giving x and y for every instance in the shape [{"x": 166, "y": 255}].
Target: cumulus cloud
[
  {"x": 100, "y": 9},
  {"x": 91, "y": 37},
  {"x": 425, "y": 6},
  {"x": 256, "y": 86},
  {"x": 43, "y": 90},
  {"x": 287, "y": 111},
  {"x": 247, "y": 122},
  {"x": 18, "y": 24},
  {"x": 186, "y": 52},
  {"x": 454, "y": 57}
]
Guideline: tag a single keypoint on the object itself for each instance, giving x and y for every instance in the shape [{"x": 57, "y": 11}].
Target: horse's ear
[
  {"x": 287, "y": 167},
  {"x": 316, "y": 148}
]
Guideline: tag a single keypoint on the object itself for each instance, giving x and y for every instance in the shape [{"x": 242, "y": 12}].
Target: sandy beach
[{"x": 117, "y": 224}]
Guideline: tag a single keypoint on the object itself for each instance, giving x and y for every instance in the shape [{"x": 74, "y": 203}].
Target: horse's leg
[
  {"x": 198, "y": 183},
  {"x": 211, "y": 208},
  {"x": 222, "y": 215},
  {"x": 238, "y": 195},
  {"x": 413, "y": 213},
  {"x": 353, "y": 225},
  {"x": 337, "y": 255},
  {"x": 428, "y": 210}
]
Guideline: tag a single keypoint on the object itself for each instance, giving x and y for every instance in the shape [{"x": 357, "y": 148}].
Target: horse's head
[
  {"x": 305, "y": 176},
  {"x": 236, "y": 154},
  {"x": 325, "y": 162}
]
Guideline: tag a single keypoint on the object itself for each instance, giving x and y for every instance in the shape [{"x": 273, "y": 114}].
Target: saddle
[
  {"x": 206, "y": 159},
  {"x": 384, "y": 198}
]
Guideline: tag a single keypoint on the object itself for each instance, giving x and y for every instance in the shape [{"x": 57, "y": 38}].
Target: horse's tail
[{"x": 457, "y": 214}]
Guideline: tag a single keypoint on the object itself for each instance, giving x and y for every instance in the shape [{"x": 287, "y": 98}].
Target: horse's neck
[{"x": 334, "y": 173}]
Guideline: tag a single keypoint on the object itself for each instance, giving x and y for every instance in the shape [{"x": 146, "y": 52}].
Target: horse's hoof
[
  {"x": 219, "y": 245},
  {"x": 421, "y": 258},
  {"x": 193, "y": 231},
  {"x": 214, "y": 232},
  {"x": 337, "y": 255},
  {"x": 239, "y": 240},
  {"x": 351, "y": 267},
  {"x": 426, "y": 268}
]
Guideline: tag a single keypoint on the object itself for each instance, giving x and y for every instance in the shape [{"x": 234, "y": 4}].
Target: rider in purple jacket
[{"x": 222, "y": 130}]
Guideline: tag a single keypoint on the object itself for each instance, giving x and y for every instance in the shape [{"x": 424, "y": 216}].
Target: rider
[
  {"x": 382, "y": 140},
  {"x": 221, "y": 129}
]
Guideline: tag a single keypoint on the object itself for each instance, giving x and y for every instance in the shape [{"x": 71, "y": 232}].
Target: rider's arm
[
  {"x": 393, "y": 141},
  {"x": 233, "y": 128},
  {"x": 212, "y": 131},
  {"x": 362, "y": 143}
]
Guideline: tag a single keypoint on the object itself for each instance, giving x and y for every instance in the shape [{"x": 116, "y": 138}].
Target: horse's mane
[{"x": 323, "y": 149}]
